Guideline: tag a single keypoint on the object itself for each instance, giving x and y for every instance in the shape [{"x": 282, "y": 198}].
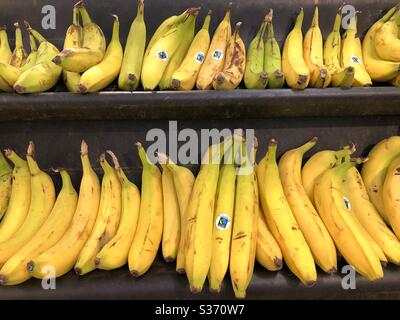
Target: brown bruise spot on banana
[
  {"x": 240, "y": 235},
  {"x": 278, "y": 263},
  {"x": 397, "y": 172}
]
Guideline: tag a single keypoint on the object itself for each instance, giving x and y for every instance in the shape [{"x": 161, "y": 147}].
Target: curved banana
[
  {"x": 148, "y": 234},
  {"x": 313, "y": 52},
  {"x": 387, "y": 42},
  {"x": 107, "y": 220},
  {"x": 349, "y": 236},
  {"x": 101, "y": 75},
  {"x": 129, "y": 76},
  {"x": 19, "y": 54},
  {"x": 183, "y": 182},
  {"x": 42, "y": 202},
  {"x": 9, "y": 73},
  {"x": 235, "y": 64},
  {"x": 294, "y": 67},
  {"x": 14, "y": 270},
  {"x": 281, "y": 221},
  {"x": 32, "y": 57},
  {"x": 172, "y": 220},
  {"x": 63, "y": 255},
  {"x": 318, "y": 164},
  {"x": 244, "y": 229},
  {"x": 20, "y": 198},
  {"x": 254, "y": 76},
  {"x": 268, "y": 253},
  {"x": 184, "y": 78},
  {"x": 379, "y": 69},
  {"x": 215, "y": 58},
  {"x": 115, "y": 253},
  {"x": 180, "y": 53},
  {"x": 5, "y": 185},
  {"x": 374, "y": 170},
  {"x": 272, "y": 56},
  {"x": 390, "y": 195},
  {"x": 5, "y": 51},
  {"x": 317, "y": 236},
  {"x": 354, "y": 189}
]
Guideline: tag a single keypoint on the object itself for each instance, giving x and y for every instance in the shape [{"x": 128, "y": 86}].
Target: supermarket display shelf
[{"x": 237, "y": 104}]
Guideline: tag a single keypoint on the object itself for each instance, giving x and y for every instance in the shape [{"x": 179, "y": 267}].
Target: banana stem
[
  {"x": 4, "y": 165},
  {"x": 115, "y": 32},
  {"x": 34, "y": 32},
  {"x": 228, "y": 12},
  {"x": 66, "y": 179},
  {"x": 18, "y": 36},
  {"x": 85, "y": 16},
  {"x": 32, "y": 43},
  {"x": 299, "y": 19},
  {"x": 114, "y": 159},
  {"x": 272, "y": 148},
  {"x": 104, "y": 164},
  {"x": 315, "y": 21},
  {"x": 338, "y": 21},
  {"x": 140, "y": 10},
  {"x": 75, "y": 16},
  {"x": 308, "y": 146},
  {"x": 142, "y": 155},
  {"x": 206, "y": 23},
  {"x": 14, "y": 158}
]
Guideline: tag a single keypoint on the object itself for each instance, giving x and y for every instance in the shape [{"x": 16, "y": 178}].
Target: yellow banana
[
  {"x": 244, "y": 230},
  {"x": 14, "y": 270},
  {"x": 9, "y": 73},
  {"x": 235, "y": 64},
  {"x": 115, "y": 253},
  {"x": 19, "y": 54},
  {"x": 32, "y": 57},
  {"x": 101, "y": 75},
  {"x": 354, "y": 189},
  {"x": 281, "y": 221},
  {"x": 172, "y": 223},
  {"x": 222, "y": 223},
  {"x": 92, "y": 50},
  {"x": 5, "y": 51},
  {"x": 73, "y": 40},
  {"x": 183, "y": 182},
  {"x": 63, "y": 255},
  {"x": 313, "y": 52},
  {"x": 387, "y": 42},
  {"x": 41, "y": 204},
  {"x": 150, "y": 225},
  {"x": 317, "y": 236},
  {"x": 5, "y": 185},
  {"x": 129, "y": 76},
  {"x": 20, "y": 198},
  {"x": 318, "y": 164},
  {"x": 107, "y": 220},
  {"x": 390, "y": 195},
  {"x": 350, "y": 237},
  {"x": 215, "y": 58},
  {"x": 294, "y": 67},
  {"x": 379, "y": 69},
  {"x": 374, "y": 170},
  {"x": 268, "y": 253},
  {"x": 184, "y": 78}
]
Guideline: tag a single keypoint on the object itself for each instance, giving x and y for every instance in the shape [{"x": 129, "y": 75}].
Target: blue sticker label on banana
[
  {"x": 217, "y": 54},
  {"x": 355, "y": 59},
  {"x": 199, "y": 57},
  {"x": 347, "y": 203},
  {"x": 223, "y": 222},
  {"x": 162, "y": 55}
]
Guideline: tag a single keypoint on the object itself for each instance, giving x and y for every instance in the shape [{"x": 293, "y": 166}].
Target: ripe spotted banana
[
  {"x": 32, "y": 57},
  {"x": 387, "y": 42},
  {"x": 19, "y": 54},
  {"x": 5, "y": 185}
]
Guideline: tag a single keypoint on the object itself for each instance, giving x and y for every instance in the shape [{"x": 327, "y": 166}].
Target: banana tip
[
  {"x": 195, "y": 290},
  {"x": 135, "y": 273},
  {"x": 314, "y": 140},
  {"x": 78, "y": 271},
  {"x": 16, "y": 24},
  {"x": 115, "y": 17},
  {"x": 3, "y": 280},
  {"x": 82, "y": 88},
  {"x": 31, "y": 149},
  {"x": 19, "y": 89},
  {"x": 176, "y": 84},
  {"x": 310, "y": 283},
  {"x": 114, "y": 159},
  {"x": 57, "y": 60},
  {"x": 8, "y": 152},
  {"x": 131, "y": 77},
  {"x": 30, "y": 266},
  {"x": 97, "y": 261},
  {"x": 27, "y": 25},
  {"x": 138, "y": 145},
  {"x": 84, "y": 148},
  {"x": 273, "y": 142}
]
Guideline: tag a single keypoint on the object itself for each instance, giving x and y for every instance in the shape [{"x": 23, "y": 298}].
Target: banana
[
  {"x": 5, "y": 51},
  {"x": 352, "y": 55},
  {"x": 184, "y": 78},
  {"x": 374, "y": 170},
  {"x": 350, "y": 237},
  {"x": 235, "y": 64},
  {"x": 159, "y": 56},
  {"x": 101, "y": 75},
  {"x": 115, "y": 253},
  {"x": 31, "y": 60},
  {"x": 281, "y": 221},
  {"x": 183, "y": 182},
  {"x": 73, "y": 40},
  {"x": 107, "y": 220},
  {"x": 354, "y": 189},
  {"x": 44, "y": 74},
  {"x": 180, "y": 53},
  {"x": 317, "y": 236},
  {"x": 14, "y": 270},
  {"x": 20, "y": 198},
  {"x": 19, "y": 54},
  {"x": 313, "y": 51},
  {"x": 223, "y": 217},
  {"x": 215, "y": 58},
  {"x": 272, "y": 56},
  {"x": 199, "y": 217},
  {"x": 254, "y": 76},
  {"x": 268, "y": 253},
  {"x": 92, "y": 50},
  {"x": 5, "y": 185},
  {"x": 244, "y": 230},
  {"x": 129, "y": 76},
  {"x": 63, "y": 255},
  {"x": 41, "y": 204},
  {"x": 390, "y": 195},
  {"x": 148, "y": 234},
  {"x": 172, "y": 226},
  {"x": 9, "y": 74},
  {"x": 387, "y": 42},
  {"x": 379, "y": 69},
  {"x": 294, "y": 67},
  {"x": 318, "y": 164}
]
